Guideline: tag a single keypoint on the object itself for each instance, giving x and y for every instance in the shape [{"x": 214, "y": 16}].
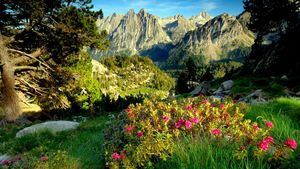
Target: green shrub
[{"x": 147, "y": 133}]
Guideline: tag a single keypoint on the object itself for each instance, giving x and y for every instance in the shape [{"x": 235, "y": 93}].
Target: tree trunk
[{"x": 10, "y": 100}]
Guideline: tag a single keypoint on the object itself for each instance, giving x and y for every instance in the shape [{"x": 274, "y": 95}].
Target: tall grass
[{"x": 196, "y": 153}]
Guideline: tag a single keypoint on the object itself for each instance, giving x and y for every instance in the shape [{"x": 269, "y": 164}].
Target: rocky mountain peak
[{"x": 221, "y": 37}]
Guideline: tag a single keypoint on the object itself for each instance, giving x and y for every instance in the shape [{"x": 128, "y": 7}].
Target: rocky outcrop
[
  {"x": 176, "y": 27},
  {"x": 51, "y": 126}
]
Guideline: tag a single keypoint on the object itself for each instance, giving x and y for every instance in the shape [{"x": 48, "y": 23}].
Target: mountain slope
[{"x": 222, "y": 37}]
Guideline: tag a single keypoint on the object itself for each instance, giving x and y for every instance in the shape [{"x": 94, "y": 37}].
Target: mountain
[
  {"x": 176, "y": 27},
  {"x": 147, "y": 34},
  {"x": 224, "y": 36}
]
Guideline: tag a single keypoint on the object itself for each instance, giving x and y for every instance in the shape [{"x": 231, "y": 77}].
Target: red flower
[
  {"x": 129, "y": 128},
  {"x": 269, "y": 124},
  {"x": 269, "y": 139},
  {"x": 291, "y": 143},
  {"x": 216, "y": 132},
  {"x": 195, "y": 120},
  {"x": 130, "y": 113},
  {"x": 122, "y": 155},
  {"x": 255, "y": 127},
  {"x": 139, "y": 134},
  {"x": 44, "y": 158},
  {"x": 179, "y": 123},
  {"x": 166, "y": 118},
  {"x": 116, "y": 156},
  {"x": 222, "y": 106},
  {"x": 205, "y": 101},
  {"x": 188, "y": 124},
  {"x": 263, "y": 145}
]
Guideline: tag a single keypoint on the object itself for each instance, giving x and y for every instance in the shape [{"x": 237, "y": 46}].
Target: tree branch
[
  {"x": 21, "y": 68},
  {"x": 30, "y": 56},
  {"x": 35, "y": 54}
]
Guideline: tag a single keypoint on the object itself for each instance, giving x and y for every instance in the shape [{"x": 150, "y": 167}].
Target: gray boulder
[
  {"x": 51, "y": 126},
  {"x": 227, "y": 85},
  {"x": 203, "y": 88},
  {"x": 4, "y": 157}
]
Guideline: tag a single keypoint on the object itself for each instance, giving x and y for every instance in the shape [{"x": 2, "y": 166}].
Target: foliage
[
  {"x": 132, "y": 76},
  {"x": 147, "y": 132},
  {"x": 63, "y": 27},
  {"x": 85, "y": 88},
  {"x": 268, "y": 15}
]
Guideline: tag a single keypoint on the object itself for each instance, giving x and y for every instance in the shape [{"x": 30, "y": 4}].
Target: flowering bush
[{"x": 145, "y": 133}]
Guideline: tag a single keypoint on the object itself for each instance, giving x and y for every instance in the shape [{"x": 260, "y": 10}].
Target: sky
[{"x": 165, "y": 8}]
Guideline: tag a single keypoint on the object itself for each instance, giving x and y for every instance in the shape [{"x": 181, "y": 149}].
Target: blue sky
[{"x": 164, "y": 8}]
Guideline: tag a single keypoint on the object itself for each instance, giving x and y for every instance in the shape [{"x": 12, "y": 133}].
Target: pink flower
[
  {"x": 222, "y": 106},
  {"x": 44, "y": 158},
  {"x": 216, "y": 132},
  {"x": 269, "y": 139},
  {"x": 116, "y": 156},
  {"x": 242, "y": 148},
  {"x": 195, "y": 120},
  {"x": 255, "y": 127},
  {"x": 263, "y": 145},
  {"x": 179, "y": 123},
  {"x": 269, "y": 124},
  {"x": 129, "y": 128},
  {"x": 188, "y": 124},
  {"x": 166, "y": 118},
  {"x": 291, "y": 143},
  {"x": 139, "y": 134},
  {"x": 190, "y": 107}
]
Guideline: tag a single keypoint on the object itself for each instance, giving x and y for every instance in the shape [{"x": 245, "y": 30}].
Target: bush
[{"x": 146, "y": 133}]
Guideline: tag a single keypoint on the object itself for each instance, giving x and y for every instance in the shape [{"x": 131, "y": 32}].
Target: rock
[
  {"x": 51, "y": 126},
  {"x": 227, "y": 85},
  {"x": 298, "y": 93},
  {"x": 255, "y": 95},
  {"x": 4, "y": 157},
  {"x": 203, "y": 88},
  {"x": 224, "y": 89},
  {"x": 284, "y": 78}
]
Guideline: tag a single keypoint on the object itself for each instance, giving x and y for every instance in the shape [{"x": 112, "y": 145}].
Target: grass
[
  {"x": 285, "y": 115},
  {"x": 81, "y": 148},
  {"x": 195, "y": 153}
]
